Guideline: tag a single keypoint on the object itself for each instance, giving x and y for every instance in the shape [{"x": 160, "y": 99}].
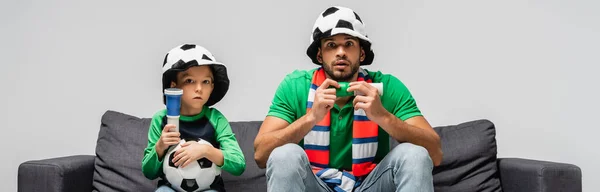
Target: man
[{"x": 313, "y": 140}]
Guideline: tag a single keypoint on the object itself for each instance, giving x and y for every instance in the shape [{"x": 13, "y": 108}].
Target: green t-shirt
[
  {"x": 209, "y": 118},
  {"x": 290, "y": 100}
]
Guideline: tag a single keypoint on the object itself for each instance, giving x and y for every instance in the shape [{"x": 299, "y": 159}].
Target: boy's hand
[
  {"x": 167, "y": 138},
  {"x": 190, "y": 151}
]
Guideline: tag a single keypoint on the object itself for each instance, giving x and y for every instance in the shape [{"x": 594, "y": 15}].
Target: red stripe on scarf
[
  {"x": 365, "y": 129},
  {"x": 360, "y": 129},
  {"x": 362, "y": 169},
  {"x": 318, "y": 156}
]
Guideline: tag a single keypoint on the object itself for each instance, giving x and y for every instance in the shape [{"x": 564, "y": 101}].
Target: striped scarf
[{"x": 364, "y": 143}]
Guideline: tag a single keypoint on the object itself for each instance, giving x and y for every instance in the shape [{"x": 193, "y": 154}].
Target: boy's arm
[
  {"x": 151, "y": 164},
  {"x": 233, "y": 158}
]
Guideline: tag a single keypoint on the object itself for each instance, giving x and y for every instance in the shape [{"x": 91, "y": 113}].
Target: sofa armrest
[
  {"x": 518, "y": 175},
  {"x": 72, "y": 173}
]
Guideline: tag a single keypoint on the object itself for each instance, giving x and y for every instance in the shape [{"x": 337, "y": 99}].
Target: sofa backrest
[
  {"x": 120, "y": 149},
  {"x": 253, "y": 178},
  {"x": 469, "y": 161},
  {"x": 119, "y": 152}
]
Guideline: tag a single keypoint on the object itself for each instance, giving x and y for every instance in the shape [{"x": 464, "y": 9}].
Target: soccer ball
[{"x": 195, "y": 176}]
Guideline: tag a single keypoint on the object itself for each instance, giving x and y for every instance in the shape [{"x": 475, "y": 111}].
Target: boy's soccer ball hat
[
  {"x": 339, "y": 20},
  {"x": 185, "y": 56}
]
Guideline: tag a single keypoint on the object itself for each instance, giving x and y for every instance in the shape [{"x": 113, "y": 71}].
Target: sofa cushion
[
  {"x": 253, "y": 178},
  {"x": 469, "y": 160},
  {"x": 119, "y": 152},
  {"x": 120, "y": 149}
]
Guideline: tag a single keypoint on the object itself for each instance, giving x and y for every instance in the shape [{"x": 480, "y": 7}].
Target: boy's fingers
[
  {"x": 168, "y": 127},
  {"x": 175, "y": 159},
  {"x": 178, "y": 158},
  {"x": 186, "y": 163},
  {"x": 178, "y": 152},
  {"x": 183, "y": 161},
  {"x": 185, "y": 144},
  {"x": 172, "y": 142},
  {"x": 171, "y": 134}
]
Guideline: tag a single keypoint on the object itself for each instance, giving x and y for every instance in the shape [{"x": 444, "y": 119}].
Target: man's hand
[
  {"x": 167, "y": 138},
  {"x": 415, "y": 130},
  {"x": 324, "y": 100},
  {"x": 368, "y": 100},
  {"x": 189, "y": 152}
]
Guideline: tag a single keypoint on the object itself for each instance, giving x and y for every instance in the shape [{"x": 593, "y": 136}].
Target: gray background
[{"x": 529, "y": 66}]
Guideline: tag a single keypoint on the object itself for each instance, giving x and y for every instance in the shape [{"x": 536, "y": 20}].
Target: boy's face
[
  {"x": 340, "y": 55},
  {"x": 197, "y": 85}
]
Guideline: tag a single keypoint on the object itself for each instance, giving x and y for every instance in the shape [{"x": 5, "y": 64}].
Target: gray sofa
[{"x": 469, "y": 163}]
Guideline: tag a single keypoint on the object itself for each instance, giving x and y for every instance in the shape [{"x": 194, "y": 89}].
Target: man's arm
[
  {"x": 275, "y": 132},
  {"x": 414, "y": 130}
]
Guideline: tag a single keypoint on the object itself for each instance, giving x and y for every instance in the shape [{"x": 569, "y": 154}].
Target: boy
[{"x": 204, "y": 82}]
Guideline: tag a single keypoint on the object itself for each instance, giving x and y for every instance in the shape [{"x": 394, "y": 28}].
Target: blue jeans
[
  {"x": 407, "y": 167},
  {"x": 165, "y": 188}
]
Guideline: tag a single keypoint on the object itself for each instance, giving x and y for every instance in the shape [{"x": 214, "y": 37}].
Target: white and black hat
[
  {"x": 185, "y": 56},
  {"x": 339, "y": 20}
]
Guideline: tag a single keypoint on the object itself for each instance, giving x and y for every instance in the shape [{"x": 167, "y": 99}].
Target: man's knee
[
  {"x": 411, "y": 155},
  {"x": 286, "y": 155}
]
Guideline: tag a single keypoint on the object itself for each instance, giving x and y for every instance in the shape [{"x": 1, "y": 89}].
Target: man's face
[{"x": 341, "y": 56}]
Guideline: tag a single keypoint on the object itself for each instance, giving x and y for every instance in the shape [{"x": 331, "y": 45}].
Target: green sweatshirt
[{"x": 209, "y": 125}]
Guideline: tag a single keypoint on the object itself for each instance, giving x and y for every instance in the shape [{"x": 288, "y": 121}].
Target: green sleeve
[
  {"x": 233, "y": 158},
  {"x": 151, "y": 165},
  {"x": 404, "y": 105},
  {"x": 282, "y": 105}
]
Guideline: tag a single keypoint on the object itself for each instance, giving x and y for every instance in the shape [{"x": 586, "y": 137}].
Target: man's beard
[{"x": 341, "y": 77}]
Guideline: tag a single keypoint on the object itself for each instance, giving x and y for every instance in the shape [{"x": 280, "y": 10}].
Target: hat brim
[
  {"x": 364, "y": 42},
  {"x": 221, "y": 81}
]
